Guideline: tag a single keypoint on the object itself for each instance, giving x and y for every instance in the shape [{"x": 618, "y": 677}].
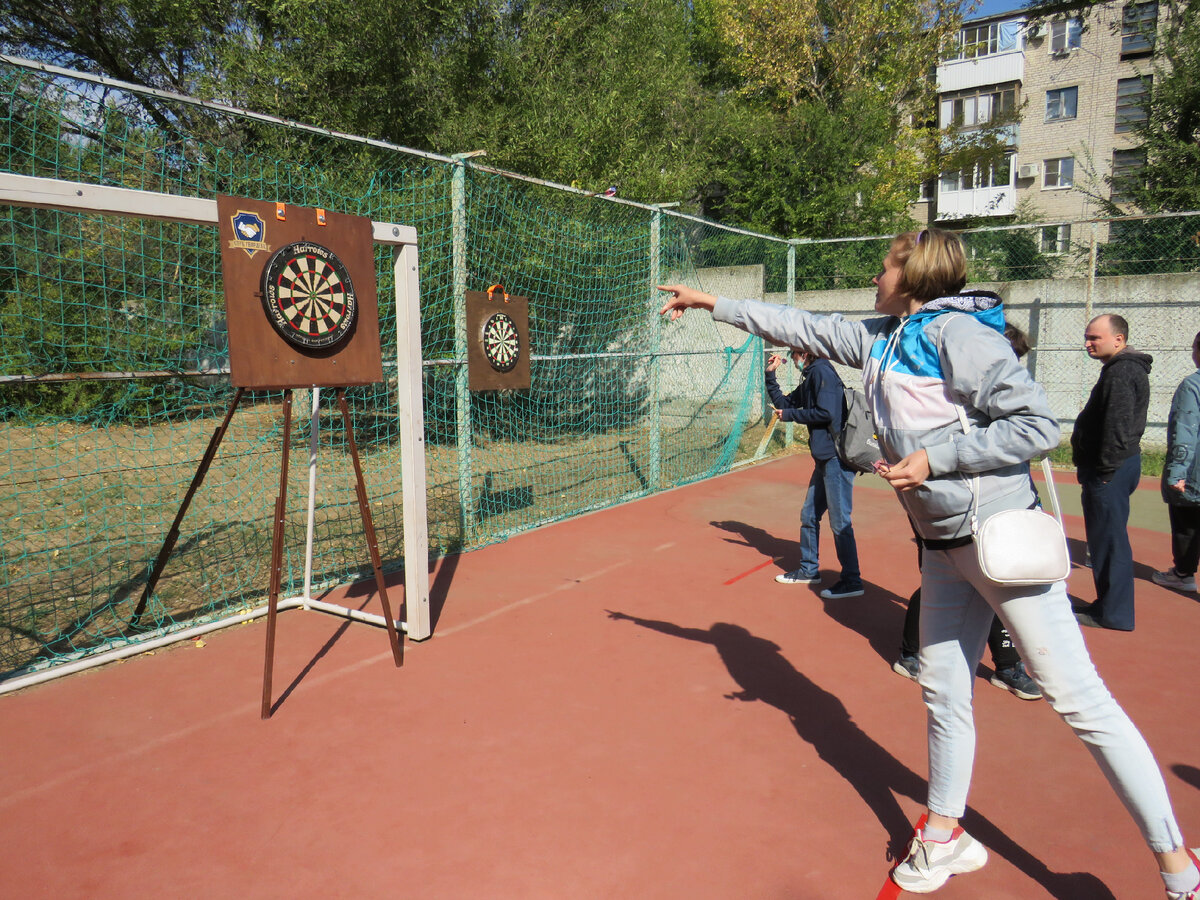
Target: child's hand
[{"x": 774, "y": 362}]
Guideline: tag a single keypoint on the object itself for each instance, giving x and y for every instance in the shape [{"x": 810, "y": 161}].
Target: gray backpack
[{"x": 856, "y": 444}]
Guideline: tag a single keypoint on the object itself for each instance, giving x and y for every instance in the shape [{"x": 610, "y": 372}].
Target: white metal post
[
  {"x": 412, "y": 442},
  {"x": 314, "y": 435}
]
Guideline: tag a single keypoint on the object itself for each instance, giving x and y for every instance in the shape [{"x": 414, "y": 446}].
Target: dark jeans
[
  {"x": 1106, "y": 521},
  {"x": 1185, "y": 538},
  {"x": 1004, "y": 653}
]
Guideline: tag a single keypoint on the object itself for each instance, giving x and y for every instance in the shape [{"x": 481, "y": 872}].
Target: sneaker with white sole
[
  {"x": 843, "y": 589},
  {"x": 1017, "y": 680},
  {"x": 1194, "y": 893},
  {"x": 797, "y": 577},
  {"x": 908, "y": 666},
  {"x": 1172, "y": 579},
  {"x": 929, "y": 864}
]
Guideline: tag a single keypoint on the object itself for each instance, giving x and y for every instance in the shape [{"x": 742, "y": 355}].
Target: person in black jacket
[
  {"x": 817, "y": 403},
  {"x": 1106, "y": 450}
]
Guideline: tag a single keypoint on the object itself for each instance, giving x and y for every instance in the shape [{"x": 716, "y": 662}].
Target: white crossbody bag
[{"x": 1022, "y": 546}]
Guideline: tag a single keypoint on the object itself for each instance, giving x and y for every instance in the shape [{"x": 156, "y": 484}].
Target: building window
[
  {"x": 979, "y": 40},
  {"x": 1127, "y": 168},
  {"x": 1132, "y": 94},
  {"x": 1060, "y": 173},
  {"x": 1055, "y": 239},
  {"x": 1065, "y": 35},
  {"x": 926, "y": 191},
  {"x": 971, "y": 109},
  {"x": 982, "y": 176},
  {"x": 1061, "y": 103},
  {"x": 1139, "y": 22}
]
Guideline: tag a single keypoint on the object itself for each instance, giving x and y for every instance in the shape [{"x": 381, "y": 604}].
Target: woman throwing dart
[{"x": 936, "y": 348}]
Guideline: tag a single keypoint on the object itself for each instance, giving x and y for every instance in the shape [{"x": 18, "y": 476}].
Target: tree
[
  {"x": 163, "y": 44},
  {"x": 850, "y": 135},
  {"x": 1170, "y": 134},
  {"x": 590, "y": 94}
]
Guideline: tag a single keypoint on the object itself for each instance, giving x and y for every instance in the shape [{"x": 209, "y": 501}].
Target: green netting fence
[
  {"x": 115, "y": 366},
  {"x": 115, "y": 357}
]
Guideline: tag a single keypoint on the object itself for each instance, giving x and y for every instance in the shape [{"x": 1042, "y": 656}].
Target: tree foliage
[{"x": 801, "y": 117}]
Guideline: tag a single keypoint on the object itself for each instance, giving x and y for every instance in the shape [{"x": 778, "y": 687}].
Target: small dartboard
[
  {"x": 308, "y": 296},
  {"x": 501, "y": 342}
]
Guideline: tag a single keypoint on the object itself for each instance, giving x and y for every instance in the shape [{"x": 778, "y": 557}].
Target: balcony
[
  {"x": 994, "y": 68},
  {"x": 979, "y": 202}
]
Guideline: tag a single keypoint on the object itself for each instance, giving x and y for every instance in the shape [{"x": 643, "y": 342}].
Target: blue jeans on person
[
  {"x": 956, "y": 612},
  {"x": 1106, "y": 521},
  {"x": 831, "y": 488}
]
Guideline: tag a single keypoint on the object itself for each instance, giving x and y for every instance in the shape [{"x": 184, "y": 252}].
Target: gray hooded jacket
[{"x": 918, "y": 372}]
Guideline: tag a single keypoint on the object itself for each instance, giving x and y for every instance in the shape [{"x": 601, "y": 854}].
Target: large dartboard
[{"x": 308, "y": 296}]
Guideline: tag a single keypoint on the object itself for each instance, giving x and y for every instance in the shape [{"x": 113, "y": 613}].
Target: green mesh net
[
  {"x": 115, "y": 368},
  {"x": 114, "y": 357}
]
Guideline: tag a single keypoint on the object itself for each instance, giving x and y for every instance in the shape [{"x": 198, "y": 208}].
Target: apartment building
[{"x": 1080, "y": 88}]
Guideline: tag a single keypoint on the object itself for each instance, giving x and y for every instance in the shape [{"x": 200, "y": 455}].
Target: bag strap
[
  {"x": 1046, "y": 470},
  {"x": 1052, "y": 490}
]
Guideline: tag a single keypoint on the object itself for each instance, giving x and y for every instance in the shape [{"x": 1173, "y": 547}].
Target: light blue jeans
[
  {"x": 831, "y": 488},
  {"x": 957, "y": 602}
]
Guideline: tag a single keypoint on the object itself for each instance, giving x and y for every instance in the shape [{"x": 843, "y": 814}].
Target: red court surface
[{"x": 623, "y": 705}]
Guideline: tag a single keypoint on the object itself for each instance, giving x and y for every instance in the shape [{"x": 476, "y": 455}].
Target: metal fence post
[
  {"x": 1035, "y": 332},
  {"x": 791, "y": 273},
  {"x": 655, "y": 407},
  {"x": 1091, "y": 278},
  {"x": 462, "y": 393}
]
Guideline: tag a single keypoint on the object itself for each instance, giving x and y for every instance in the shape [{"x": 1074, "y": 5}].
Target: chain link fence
[{"x": 115, "y": 353}]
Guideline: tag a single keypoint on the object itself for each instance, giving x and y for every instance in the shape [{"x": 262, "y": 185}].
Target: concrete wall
[
  {"x": 1163, "y": 317},
  {"x": 695, "y": 351}
]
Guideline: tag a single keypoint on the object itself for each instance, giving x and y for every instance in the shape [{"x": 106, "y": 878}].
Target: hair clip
[{"x": 921, "y": 234}]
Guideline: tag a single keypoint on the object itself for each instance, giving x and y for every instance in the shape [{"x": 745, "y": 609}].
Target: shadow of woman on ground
[{"x": 822, "y": 720}]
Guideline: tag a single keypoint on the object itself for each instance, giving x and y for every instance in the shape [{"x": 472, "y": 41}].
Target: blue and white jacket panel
[{"x": 917, "y": 371}]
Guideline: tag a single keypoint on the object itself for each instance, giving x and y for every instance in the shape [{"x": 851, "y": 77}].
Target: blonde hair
[{"x": 933, "y": 261}]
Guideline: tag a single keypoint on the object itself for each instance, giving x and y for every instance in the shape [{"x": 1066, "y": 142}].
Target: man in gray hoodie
[{"x": 1106, "y": 450}]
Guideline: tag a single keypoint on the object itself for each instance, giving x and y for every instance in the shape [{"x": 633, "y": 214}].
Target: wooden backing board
[
  {"x": 259, "y": 357},
  {"x": 481, "y": 374}
]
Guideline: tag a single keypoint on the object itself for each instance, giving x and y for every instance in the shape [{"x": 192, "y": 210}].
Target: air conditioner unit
[
  {"x": 1034, "y": 31},
  {"x": 1029, "y": 170}
]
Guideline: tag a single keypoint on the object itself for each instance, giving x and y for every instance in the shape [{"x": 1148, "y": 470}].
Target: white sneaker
[
  {"x": 929, "y": 865},
  {"x": 1172, "y": 579},
  {"x": 1194, "y": 893},
  {"x": 797, "y": 577}
]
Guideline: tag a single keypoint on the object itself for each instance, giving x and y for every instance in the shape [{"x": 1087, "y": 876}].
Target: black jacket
[
  {"x": 1109, "y": 428},
  {"x": 816, "y": 402}
]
